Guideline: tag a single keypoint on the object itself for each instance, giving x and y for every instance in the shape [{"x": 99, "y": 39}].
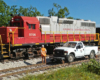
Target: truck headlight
[
  {"x": 65, "y": 52},
  {"x": 53, "y": 52}
]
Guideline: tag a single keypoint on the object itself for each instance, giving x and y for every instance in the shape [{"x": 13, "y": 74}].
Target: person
[{"x": 43, "y": 54}]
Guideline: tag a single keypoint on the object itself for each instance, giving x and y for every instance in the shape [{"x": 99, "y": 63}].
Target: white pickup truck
[{"x": 74, "y": 49}]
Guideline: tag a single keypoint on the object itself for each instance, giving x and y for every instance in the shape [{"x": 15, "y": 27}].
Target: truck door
[{"x": 79, "y": 51}]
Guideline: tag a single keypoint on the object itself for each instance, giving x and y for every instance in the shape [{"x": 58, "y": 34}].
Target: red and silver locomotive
[{"x": 32, "y": 32}]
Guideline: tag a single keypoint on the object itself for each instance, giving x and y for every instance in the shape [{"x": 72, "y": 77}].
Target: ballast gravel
[{"x": 15, "y": 64}]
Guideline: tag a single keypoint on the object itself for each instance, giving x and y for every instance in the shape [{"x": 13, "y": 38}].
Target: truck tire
[
  {"x": 70, "y": 58},
  {"x": 92, "y": 55}
]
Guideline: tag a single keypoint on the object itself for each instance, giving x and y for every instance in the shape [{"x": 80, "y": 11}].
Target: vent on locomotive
[
  {"x": 44, "y": 21},
  {"x": 65, "y": 22},
  {"x": 88, "y": 24}
]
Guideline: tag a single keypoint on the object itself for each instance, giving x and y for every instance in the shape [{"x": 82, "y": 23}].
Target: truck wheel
[
  {"x": 92, "y": 55},
  {"x": 71, "y": 58}
]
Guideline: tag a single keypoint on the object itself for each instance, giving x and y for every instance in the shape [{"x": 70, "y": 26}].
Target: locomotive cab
[{"x": 28, "y": 29}]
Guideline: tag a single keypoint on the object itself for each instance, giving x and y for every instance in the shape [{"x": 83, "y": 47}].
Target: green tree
[
  {"x": 51, "y": 12},
  {"x": 4, "y": 13},
  {"x": 31, "y": 11},
  {"x": 14, "y": 10},
  {"x": 61, "y": 12},
  {"x": 20, "y": 10},
  {"x": 70, "y": 17}
]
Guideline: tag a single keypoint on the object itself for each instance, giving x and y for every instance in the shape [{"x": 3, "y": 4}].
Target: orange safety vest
[{"x": 43, "y": 52}]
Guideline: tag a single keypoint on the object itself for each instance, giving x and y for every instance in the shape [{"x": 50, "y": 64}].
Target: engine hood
[{"x": 64, "y": 48}]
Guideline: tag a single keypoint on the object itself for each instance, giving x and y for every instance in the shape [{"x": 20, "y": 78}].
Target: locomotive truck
[{"x": 25, "y": 34}]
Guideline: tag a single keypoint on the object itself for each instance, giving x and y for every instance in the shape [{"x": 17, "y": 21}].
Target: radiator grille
[{"x": 59, "y": 52}]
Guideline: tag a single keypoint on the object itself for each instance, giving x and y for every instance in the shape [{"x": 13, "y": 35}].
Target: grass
[{"x": 69, "y": 73}]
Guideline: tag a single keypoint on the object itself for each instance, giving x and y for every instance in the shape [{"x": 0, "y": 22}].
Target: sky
[{"x": 82, "y": 9}]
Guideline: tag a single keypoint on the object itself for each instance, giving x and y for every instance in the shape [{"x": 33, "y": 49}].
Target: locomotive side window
[
  {"x": 33, "y": 26},
  {"x": 29, "y": 26}
]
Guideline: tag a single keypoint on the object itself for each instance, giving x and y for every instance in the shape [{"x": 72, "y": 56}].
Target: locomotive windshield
[{"x": 18, "y": 24}]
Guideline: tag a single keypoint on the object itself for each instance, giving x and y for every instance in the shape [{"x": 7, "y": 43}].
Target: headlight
[
  {"x": 65, "y": 52},
  {"x": 53, "y": 52}
]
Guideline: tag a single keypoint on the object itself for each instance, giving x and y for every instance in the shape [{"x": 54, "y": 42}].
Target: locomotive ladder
[{"x": 4, "y": 54}]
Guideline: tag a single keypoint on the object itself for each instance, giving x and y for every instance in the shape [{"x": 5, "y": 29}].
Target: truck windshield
[{"x": 70, "y": 44}]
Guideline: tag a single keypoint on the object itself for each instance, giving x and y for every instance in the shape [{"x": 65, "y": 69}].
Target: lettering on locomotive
[{"x": 32, "y": 34}]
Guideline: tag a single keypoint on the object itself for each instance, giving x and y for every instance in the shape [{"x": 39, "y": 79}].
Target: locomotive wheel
[
  {"x": 70, "y": 58},
  {"x": 92, "y": 55},
  {"x": 26, "y": 55}
]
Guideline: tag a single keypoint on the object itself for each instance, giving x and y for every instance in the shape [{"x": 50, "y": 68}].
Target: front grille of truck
[{"x": 59, "y": 52}]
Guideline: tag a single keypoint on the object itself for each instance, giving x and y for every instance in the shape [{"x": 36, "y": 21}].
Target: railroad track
[{"x": 35, "y": 68}]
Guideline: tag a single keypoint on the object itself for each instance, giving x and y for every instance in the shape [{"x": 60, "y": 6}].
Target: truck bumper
[
  {"x": 58, "y": 58},
  {"x": 98, "y": 54}
]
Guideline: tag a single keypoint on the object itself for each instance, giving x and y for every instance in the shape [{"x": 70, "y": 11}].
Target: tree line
[{"x": 6, "y": 12}]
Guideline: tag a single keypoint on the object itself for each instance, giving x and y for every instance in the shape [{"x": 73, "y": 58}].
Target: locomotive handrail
[
  {"x": 61, "y": 36},
  {"x": 13, "y": 38},
  {"x": 85, "y": 36},
  {"x": 61, "y": 31},
  {"x": 90, "y": 37},
  {"x": 9, "y": 44},
  {"x": 94, "y": 37},
  {"x": 1, "y": 44},
  {"x": 45, "y": 37},
  {"x": 67, "y": 37},
  {"x": 53, "y": 37},
  {"x": 79, "y": 36},
  {"x": 73, "y": 36},
  {"x": 98, "y": 36}
]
